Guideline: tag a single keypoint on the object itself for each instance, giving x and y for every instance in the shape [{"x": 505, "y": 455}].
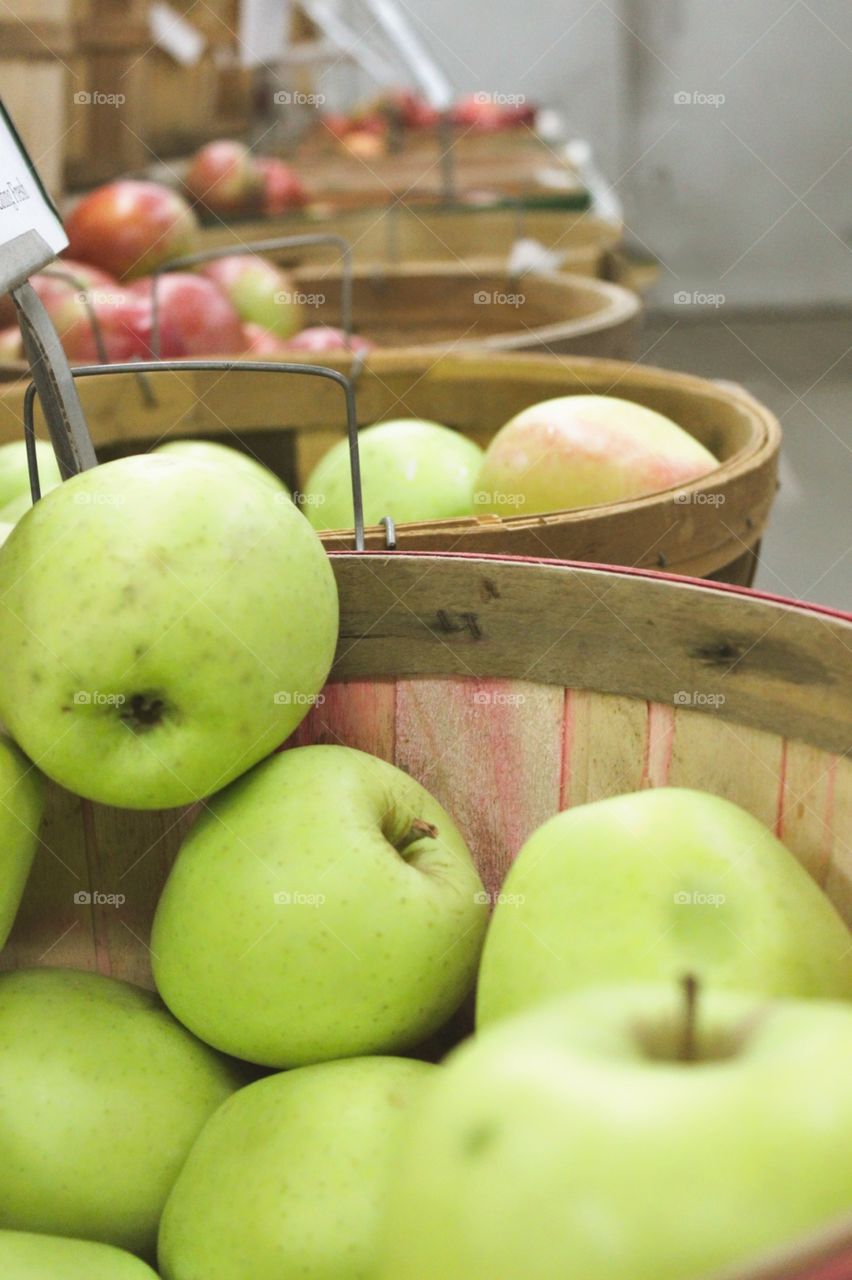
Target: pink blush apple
[
  {"x": 579, "y": 451},
  {"x": 225, "y": 178},
  {"x": 324, "y": 337},
  {"x": 131, "y": 228},
  {"x": 194, "y": 316},
  {"x": 283, "y": 189},
  {"x": 11, "y": 344},
  {"x": 120, "y": 317},
  {"x": 259, "y": 292},
  {"x": 260, "y": 342}
]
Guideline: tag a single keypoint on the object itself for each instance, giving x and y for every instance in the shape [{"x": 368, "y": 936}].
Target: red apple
[
  {"x": 260, "y": 341},
  {"x": 226, "y": 178},
  {"x": 283, "y": 189},
  {"x": 323, "y": 337},
  {"x": 120, "y": 318},
  {"x": 131, "y": 228},
  {"x": 48, "y": 284},
  {"x": 194, "y": 317},
  {"x": 337, "y": 124},
  {"x": 413, "y": 111},
  {"x": 487, "y": 114}
]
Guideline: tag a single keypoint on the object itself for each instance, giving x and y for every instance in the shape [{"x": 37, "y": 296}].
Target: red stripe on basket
[
  {"x": 782, "y": 792},
  {"x": 659, "y": 744},
  {"x": 567, "y": 749}
]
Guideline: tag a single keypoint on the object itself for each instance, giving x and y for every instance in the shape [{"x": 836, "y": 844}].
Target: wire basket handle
[{"x": 212, "y": 366}]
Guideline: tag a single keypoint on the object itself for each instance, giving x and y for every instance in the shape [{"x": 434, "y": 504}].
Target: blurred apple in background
[
  {"x": 11, "y": 344},
  {"x": 323, "y": 906},
  {"x": 130, "y": 228},
  {"x": 24, "y": 1256},
  {"x": 324, "y": 337},
  {"x": 121, "y": 317},
  {"x": 653, "y": 885},
  {"x": 492, "y": 113},
  {"x": 260, "y": 342},
  {"x": 283, "y": 189},
  {"x": 102, "y": 1093},
  {"x": 259, "y": 291},
  {"x": 578, "y": 451},
  {"x": 195, "y": 318},
  {"x": 410, "y": 469},
  {"x": 291, "y": 1178},
  {"x": 225, "y": 178},
  {"x": 614, "y": 1135},
  {"x": 22, "y": 794}
]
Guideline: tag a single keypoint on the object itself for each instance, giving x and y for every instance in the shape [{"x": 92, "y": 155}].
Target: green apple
[
  {"x": 33, "y": 1257},
  {"x": 323, "y": 906},
  {"x": 21, "y": 807},
  {"x": 19, "y": 506},
  {"x": 102, "y": 1094},
  {"x": 164, "y": 624},
  {"x": 651, "y": 885},
  {"x": 410, "y": 470},
  {"x": 600, "y": 1136},
  {"x": 5, "y": 529},
  {"x": 290, "y": 1177},
  {"x": 259, "y": 292},
  {"x": 14, "y": 471},
  {"x": 578, "y": 451},
  {"x": 211, "y": 451}
]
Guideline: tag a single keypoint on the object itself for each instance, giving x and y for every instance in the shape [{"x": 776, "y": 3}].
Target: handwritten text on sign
[{"x": 24, "y": 204}]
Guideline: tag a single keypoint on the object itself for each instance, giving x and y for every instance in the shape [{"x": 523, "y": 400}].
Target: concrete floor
[{"x": 801, "y": 366}]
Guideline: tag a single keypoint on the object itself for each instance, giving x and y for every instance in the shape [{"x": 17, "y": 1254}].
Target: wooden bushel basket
[
  {"x": 512, "y": 690},
  {"x": 397, "y": 235},
  {"x": 468, "y": 307},
  {"x": 711, "y": 527}
]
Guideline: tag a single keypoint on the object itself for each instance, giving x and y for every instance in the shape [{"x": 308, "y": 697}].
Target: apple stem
[
  {"x": 418, "y": 829},
  {"x": 688, "y": 1047}
]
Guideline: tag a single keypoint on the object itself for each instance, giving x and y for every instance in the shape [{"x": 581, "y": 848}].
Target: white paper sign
[{"x": 24, "y": 203}]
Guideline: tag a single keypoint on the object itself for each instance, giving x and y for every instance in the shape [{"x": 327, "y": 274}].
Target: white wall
[{"x": 750, "y": 198}]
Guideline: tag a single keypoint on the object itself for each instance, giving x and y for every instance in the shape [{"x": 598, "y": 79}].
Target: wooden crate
[
  {"x": 711, "y": 527},
  {"x": 581, "y": 671}
]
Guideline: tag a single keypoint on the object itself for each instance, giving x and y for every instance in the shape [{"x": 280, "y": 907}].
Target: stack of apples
[
  {"x": 369, "y": 128},
  {"x": 657, "y": 1084},
  {"x": 100, "y": 297}
]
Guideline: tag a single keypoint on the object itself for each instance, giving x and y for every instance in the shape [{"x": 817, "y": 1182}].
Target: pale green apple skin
[
  {"x": 290, "y": 1177},
  {"x": 14, "y": 472},
  {"x": 373, "y": 952},
  {"x": 580, "y": 451},
  {"x": 211, "y": 451},
  {"x": 102, "y": 1094},
  {"x": 596, "y": 896},
  {"x": 24, "y": 1256},
  {"x": 552, "y": 1145},
  {"x": 189, "y": 585},
  {"x": 411, "y": 469},
  {"x": 21, "y": 810}
]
